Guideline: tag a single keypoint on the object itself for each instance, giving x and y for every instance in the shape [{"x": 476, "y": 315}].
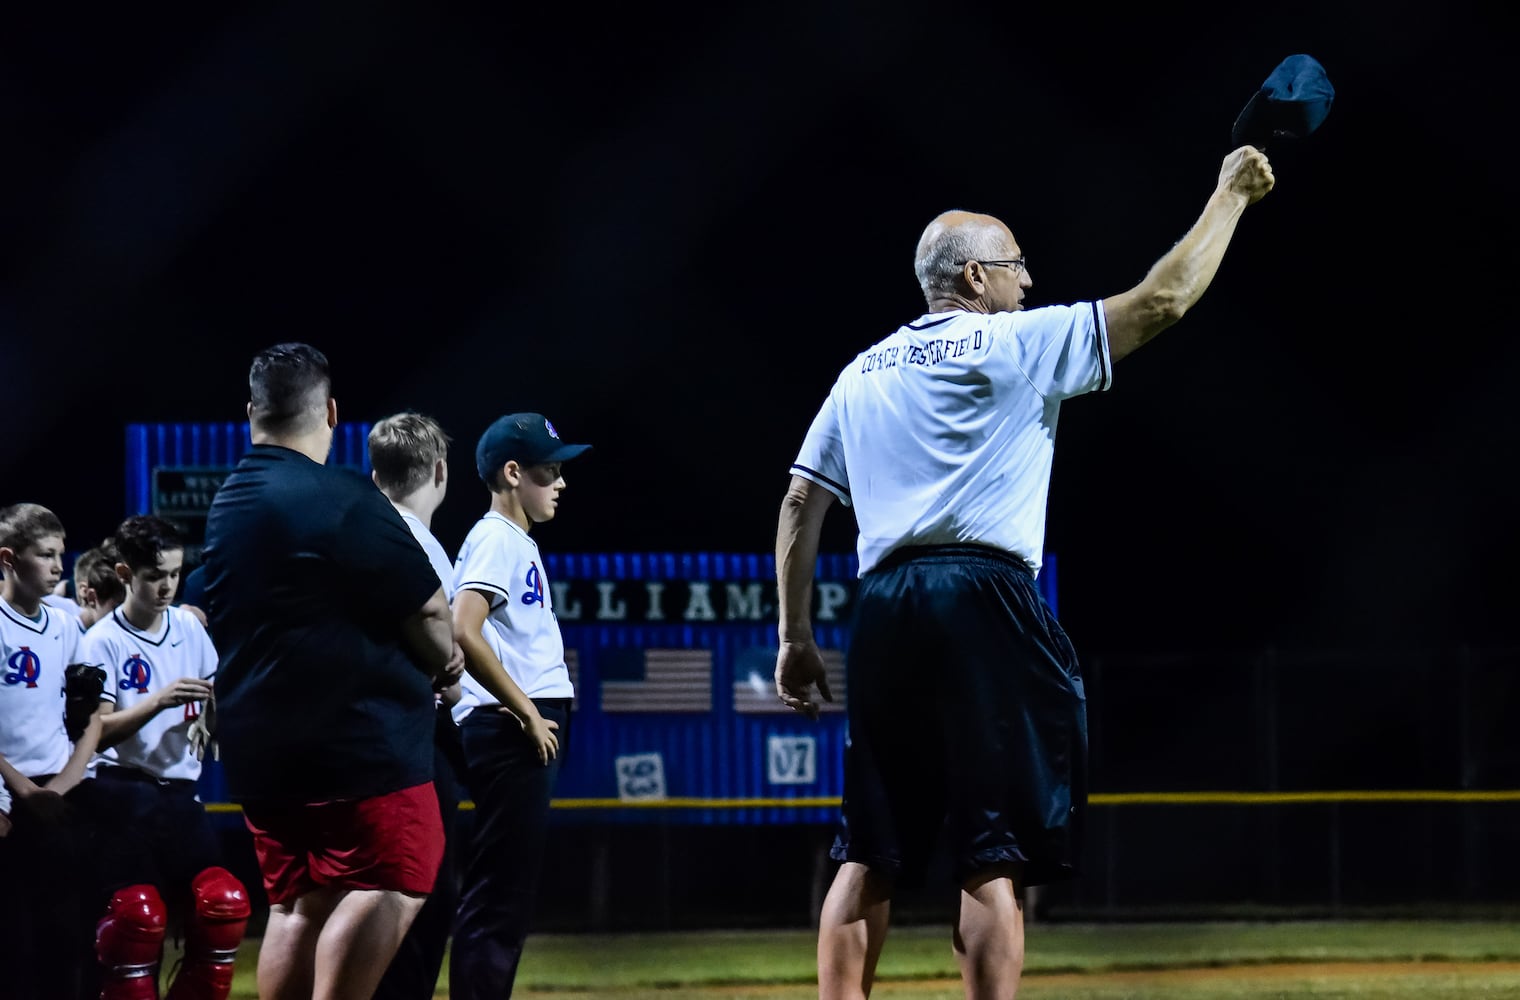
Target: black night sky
[{"x": 670, "y": 231}]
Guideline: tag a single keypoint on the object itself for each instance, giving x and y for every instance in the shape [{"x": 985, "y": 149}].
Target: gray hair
[{"x": 943, "y": 251}]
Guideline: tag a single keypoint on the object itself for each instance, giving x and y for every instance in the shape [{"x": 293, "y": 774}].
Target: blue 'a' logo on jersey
[
  {"x": 136, "y": 673},
  {"x": 26, "y": 667},
  {"x": 535, "y": 581}
]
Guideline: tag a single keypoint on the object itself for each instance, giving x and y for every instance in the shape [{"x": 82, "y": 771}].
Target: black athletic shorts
[{"x": 967, "y": 714}]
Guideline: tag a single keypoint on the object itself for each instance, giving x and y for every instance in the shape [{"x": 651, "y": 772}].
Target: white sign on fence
[
  {"x": 791, "y": 760},
  {"x": 640, "y": 777}
]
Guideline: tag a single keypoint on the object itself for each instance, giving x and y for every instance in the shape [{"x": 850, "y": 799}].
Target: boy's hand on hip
[{"x": 541, "y": 732}]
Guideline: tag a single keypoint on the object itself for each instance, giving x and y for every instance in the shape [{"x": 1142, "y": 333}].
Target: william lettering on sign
[{"x": 688, "y": 601}]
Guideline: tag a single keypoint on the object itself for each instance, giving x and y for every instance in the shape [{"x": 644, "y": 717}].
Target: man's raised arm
[{"x": 1179, "y": 279}]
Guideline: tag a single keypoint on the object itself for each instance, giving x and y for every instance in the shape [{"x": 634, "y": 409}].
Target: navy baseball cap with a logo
[
  {"x": 526, "y": 438},
  {"x": 1292, "y": 102}
]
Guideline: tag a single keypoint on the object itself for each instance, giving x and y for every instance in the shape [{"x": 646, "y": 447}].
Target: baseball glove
[{"x": 82, "y": 684}]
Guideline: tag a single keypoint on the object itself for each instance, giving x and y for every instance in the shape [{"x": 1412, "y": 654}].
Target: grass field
[{"x": 1369, "y": 960}]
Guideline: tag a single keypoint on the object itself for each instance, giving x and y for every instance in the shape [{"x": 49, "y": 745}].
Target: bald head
[{"x": 949, "y": 241}]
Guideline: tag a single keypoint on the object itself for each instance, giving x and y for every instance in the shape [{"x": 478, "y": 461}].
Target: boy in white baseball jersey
[
  {"x": 158, "y": 844},
  {"x": 515, "y": 707},
  {"x": 408, "y": 453},
  {"x": 43, "y": 859}
]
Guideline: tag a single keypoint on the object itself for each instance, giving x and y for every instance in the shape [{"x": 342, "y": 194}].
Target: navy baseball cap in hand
[
  {"x": 526, "y": 438},
  {"x": 1291, "y": 104}
]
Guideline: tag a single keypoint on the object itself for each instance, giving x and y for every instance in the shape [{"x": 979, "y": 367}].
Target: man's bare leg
[
  {"x": 989, "y": 937},
  {"x": 359, "y": 940},
  {"x": 852, "y": 927},
  {"x": 287, "y": 956}
]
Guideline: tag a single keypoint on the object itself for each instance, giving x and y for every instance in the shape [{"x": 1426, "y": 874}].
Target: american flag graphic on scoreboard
[
  {"x": 755, "y": 681},
  {"x": 656, "y": 680}
]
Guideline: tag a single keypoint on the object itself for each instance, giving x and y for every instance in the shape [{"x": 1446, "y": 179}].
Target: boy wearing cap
[{"x": 515, "y": 699}]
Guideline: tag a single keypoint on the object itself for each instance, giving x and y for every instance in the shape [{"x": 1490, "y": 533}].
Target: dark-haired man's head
[
  {"x": 290, "y": 399},
  {"x": 288, "y": 389}
]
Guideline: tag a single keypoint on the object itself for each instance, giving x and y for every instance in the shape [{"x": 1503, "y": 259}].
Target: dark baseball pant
[
  {"x": 146, "y": 831},
  {"x": 511, "y": 791},
  {"x": 47, "y": 944},
  {"x": 150, "y": 832}
]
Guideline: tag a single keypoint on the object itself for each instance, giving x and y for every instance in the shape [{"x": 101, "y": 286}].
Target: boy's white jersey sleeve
[
  {"x": 1062, "y": 350},
  {"x": 483, "y": 565},
  {"x": 486, "y": 563},
  {"x": 821, "y": 459}
]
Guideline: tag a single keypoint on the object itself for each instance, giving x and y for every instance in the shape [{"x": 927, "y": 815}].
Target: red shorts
[{"x": 392, "y": 841}]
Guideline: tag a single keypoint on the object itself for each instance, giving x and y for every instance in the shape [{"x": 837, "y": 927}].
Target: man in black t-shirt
[{"x": 332, "y": 631}]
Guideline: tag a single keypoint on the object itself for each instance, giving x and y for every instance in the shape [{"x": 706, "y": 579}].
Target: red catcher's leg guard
[
  {"x": 213, "y": 931},
  {"x": 129, "y": 941}
]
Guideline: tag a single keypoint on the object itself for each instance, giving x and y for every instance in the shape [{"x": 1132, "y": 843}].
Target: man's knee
[
  {"x": 991, "y": 924},
  {"x": 396, "y": 903},
  {"x": 858, "y": 893},
  {"x": 999, "y": 879},
  {"x": 870, "y": 884}
]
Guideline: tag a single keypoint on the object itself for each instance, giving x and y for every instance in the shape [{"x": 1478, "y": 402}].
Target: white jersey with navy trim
[
  {"x": 500, "y": 561},
  {"x": 138, "y": 666},
  {"x": 944, "y": 432},
  {"x": 33, "y": 656},
  {"x": 434, "y": 549}
]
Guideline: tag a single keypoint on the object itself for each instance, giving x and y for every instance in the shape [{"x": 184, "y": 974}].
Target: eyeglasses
[{"x": 1016, "y": 265}]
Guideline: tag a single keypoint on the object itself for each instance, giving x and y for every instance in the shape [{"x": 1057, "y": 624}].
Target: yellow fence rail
[{"x": 1097, "y": 799}]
